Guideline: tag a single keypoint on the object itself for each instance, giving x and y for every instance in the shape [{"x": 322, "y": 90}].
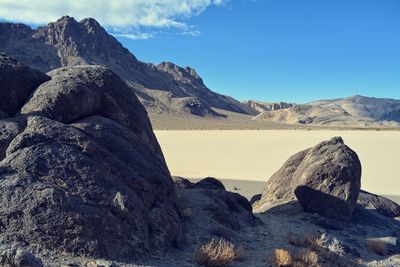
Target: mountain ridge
[
  {"x": 165, "y": 87},
  {"x": 354, "y": 110}
]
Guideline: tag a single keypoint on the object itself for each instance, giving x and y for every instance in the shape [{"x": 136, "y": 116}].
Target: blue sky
[
  {"x": 272, "y": 50},
  {"x": 290, "y": 50}
]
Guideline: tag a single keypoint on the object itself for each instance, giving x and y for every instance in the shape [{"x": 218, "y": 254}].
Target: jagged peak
[
  {"x": 192, "y": 72},
  {"x": 91, "y": 22},
  {"x": 169, "y": 66},
  {"x": 66, "y": 19}
]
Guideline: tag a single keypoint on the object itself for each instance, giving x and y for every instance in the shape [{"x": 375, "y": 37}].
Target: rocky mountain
[
  {"x": 260, "y": 107},
  {"x": 163, "y": 88},
  {"x": 350, "y": 111}
]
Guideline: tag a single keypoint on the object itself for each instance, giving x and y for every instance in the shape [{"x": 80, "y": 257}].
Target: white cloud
[
  {"x": 118, "y": 15},
  {"x": 135, "y": 36}
]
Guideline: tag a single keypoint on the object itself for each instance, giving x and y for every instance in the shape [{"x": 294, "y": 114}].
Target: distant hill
[
  {"x": 350, "y": 111},
  {"x": 258, "y": 106},
  {"x": 164, "y": 88}
]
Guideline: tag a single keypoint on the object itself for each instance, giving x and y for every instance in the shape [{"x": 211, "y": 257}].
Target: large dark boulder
[
  {"x": 381, "y": 204},
  {"x": 210, "y": 183},
  {"x": 328, "y": 180},
  {"x": 16, "y": 84},
  {"x": 278, "y": 187},
  {"x": 86, "y": 175}
]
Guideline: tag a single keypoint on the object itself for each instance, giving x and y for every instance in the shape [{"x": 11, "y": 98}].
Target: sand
[{"x": 256, "y": 155}]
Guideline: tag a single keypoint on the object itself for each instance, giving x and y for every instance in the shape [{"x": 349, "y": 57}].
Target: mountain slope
[
  {"x": 380, "y": 109},
  {"x": 350, "y": 111},
  {"x": 165, "y": 88},
  {"x": 258, "y": 106}
]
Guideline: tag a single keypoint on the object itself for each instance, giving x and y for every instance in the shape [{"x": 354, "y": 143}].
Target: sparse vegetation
[
  {"x": 317, "y": 248},
  {"x": 309, "y": 258},
  {"x": 218, "y": 253},
  {"x": 377, "y": 246},
  {"x": 336, "y": 247},
  {"x": 282, "y": 258},
  {"x": 285, "y": 258}
]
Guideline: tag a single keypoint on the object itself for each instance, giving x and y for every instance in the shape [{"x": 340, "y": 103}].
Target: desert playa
[{"x": 256, "y": 155}]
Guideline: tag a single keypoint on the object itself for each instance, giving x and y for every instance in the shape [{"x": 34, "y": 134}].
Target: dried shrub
[
  {"x": 309, "y": 258},
  {"x": 218, "y": 253},
  {"x": 285, "y": 258},
  {"x": 282, "y": 258}
]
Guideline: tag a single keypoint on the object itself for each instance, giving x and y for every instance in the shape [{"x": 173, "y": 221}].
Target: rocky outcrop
[
  {"x": 210, "y": 183},
  {"x": 182, "y": 183},
  {"x": 260, "y": 107},
  {"x": 328, "y": 180},
  {"x": 165, "y": 88},
  {"x": 83, "y": 173},
  {"x": 16, "y": 84},
  {"x": 193, "y": 106},
  {"x": 325, "y": 179},
  {"x": 211, "y": 211},
  {"x": 381, "y": 204},
  {"x": 255, "y": 198},
  {"x": 278, "y": 187}
]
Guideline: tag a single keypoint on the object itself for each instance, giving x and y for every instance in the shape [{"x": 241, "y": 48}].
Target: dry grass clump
[
  {"x": 377, "y": 246},
  {"x": 282, "y": 258},
  {"x": 325, "y": 245},
  {"x": 309, "y": 258},
  {"x": 218, "y": 253},
  {"x": 285, "y": 258},
  {"x": 316, "y": 249}
]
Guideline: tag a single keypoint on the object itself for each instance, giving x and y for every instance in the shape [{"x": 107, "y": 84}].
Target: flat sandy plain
[{"x": 254, "y": 155}]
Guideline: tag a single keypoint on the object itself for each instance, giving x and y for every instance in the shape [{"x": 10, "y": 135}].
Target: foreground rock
[
  {"x": 381, "y": 204},
  {"x": 211, "y": 211},
  {"x": 85, "y": 175},
  {"x": 278, "y": 187},
  {"x": 325, "y": 179},
  {"x": 328, "y": 180},
  {"x": 16, "y": 84}
]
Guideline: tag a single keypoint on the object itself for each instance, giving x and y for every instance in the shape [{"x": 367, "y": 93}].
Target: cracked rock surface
[{"x": 81, "y": 171}]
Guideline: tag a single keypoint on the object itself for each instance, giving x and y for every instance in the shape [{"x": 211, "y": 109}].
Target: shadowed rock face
[
  {"x": 328, "y": 179},
  {"x": 278, "y": 190},
  {"x": 278, "y": 187},
  {"x": 16, "y": 84},
  {"x": 211, "y": 211},
  {"x": 325, "y": 179},
  {"x": 381, "y": 204},
  {"x": 82, "y": 171}
]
